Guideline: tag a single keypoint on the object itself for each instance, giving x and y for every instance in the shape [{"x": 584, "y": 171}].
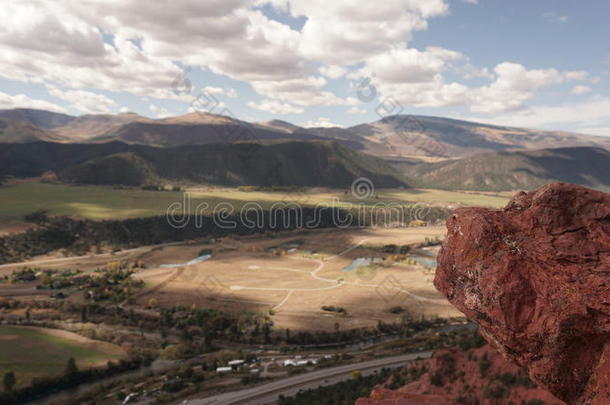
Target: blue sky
[{"x": 540, "y": 64}]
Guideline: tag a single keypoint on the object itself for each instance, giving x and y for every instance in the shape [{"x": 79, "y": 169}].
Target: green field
[
  {"x": 36, "y": 352},
  {"x": 100, "y": 202}
]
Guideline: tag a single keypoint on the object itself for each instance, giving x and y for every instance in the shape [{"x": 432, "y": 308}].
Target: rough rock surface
[
  {"x": 384, "y": 396},
  {"x": 536, "y": 277},
  {"x": 456, "y": 375}
]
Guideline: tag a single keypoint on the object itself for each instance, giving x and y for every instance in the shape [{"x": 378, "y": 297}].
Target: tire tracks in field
[{"x": 162, "y": 284}]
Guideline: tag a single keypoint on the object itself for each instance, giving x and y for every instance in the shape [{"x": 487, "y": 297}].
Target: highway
[{"x": 268, "y": 393}]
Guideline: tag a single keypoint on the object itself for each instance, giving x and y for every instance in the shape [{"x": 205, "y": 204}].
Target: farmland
[
  {"x": 323, "y": 285},
  {"x": 291, "y": 276},
  {"x": 37, "y": 352},
  {"x": 102, "y": 202}
]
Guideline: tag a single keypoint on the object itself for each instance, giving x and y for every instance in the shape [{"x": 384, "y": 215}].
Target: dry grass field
[
  {"x": 295, "y": 275},
  {"x": 290, "y": 275}
]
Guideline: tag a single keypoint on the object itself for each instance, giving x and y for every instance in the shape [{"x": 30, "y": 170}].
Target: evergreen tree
[
  {"x": 9, "y": 381},
  {"x": 71, "y": 368}
]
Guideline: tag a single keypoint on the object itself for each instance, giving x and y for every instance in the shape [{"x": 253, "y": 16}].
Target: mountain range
[
  {"x": 409, "y": 150},
  {"x": 398, "y": 136},
  {"x": 518, "y": 170},
  {"x": 277, "y": 163}
]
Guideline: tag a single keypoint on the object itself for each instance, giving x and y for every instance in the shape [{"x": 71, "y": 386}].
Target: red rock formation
[
  {"x": 536, "y": 277},
  {"x": 480, "y": 376},
  {"x": 384, "y": 396}
]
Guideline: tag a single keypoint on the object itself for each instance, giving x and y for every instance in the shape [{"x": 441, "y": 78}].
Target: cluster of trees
[
  {"x": 160, "y": 187},
  {"x": 204, "y": 325},
  {"x": 24, "y": 275},
  {"x": 200, "y": 326},
  {"x": 343, "y": 393},
  {"x": 53, "y": 279},
  {"x": 270, "y": 188},
  {"x": 72, "y": 377},
  {"x": 81, "y": 236},
  {"x": 331, "y": 308},
  {"x": 114, "y": 283}
]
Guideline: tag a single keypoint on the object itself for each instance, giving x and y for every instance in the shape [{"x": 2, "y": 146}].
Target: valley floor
[{"x": 102, "y": 202}]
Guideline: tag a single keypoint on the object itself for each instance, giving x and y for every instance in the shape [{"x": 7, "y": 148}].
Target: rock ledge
[{"x": 536, "y": 277}]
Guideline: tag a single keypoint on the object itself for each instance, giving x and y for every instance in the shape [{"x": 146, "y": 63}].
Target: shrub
[
  {"x": 534, "y": 402},
  {"x": 507, "y": 379},
  {"x": 436, "y": 379},
  {"x": 484, "y": 364}
]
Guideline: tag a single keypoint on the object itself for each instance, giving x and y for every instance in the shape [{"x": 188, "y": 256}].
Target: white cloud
[
  {"x": 356, "y": 110},
  {"x": 84, "y": 101},
  {"x": 231, "y": 92},
  {"x": 408, "y": 77},
  {"x": 582, "y": 116},
  {"x": 275, "y": 107},
  {"x": 213, "y": 90},
  {"x": 160, "y": 112},
  {"x": 8, "y": 101},
  {"x": 581, "y": 89},
  {"x": 62, "y": 42},
  {"x": 333, "y": 71},
  {"x": 219, "y": 91},
  {"x": 402, "y": 65},
  {"x": 46, "y": 41},
  {"x": 307, "y": 91},
  {"x": 121, "y": 46},
  {"x": 341, "y": 32},
  {"x": 514, "y": 85},
  {"x": 598, "y": 131},
  {"x": 322, "y": 122}
]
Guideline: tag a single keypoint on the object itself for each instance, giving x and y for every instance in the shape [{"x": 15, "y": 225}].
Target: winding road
[{"x": 336, "y": 283}]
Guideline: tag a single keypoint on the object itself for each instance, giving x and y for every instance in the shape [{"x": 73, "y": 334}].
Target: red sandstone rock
[
  {"x": 459, "y": 377},
  {"x": 536, "y": 277},
  {"x": 383, "y": 396}
]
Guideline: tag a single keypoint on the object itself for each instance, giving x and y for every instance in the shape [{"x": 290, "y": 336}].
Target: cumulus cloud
[
  {"x": 122, "y": 46},
  {"x": 333, "y": 71},
  {"x": 581, "y": 89},
  {"x": 306, "y": 91},
  {"x": 416, "y": 78},
  {"x": 356, "y": 110},
  {"x": 402, "y": 65},
  {"x": 219, "y": 91},
  {"x": 160, "y": 112},
  {"x": 22, "y": 101},
  {"x": 514, "y": 85},
  {"x": 322, "y": 122},
  {"x": 343, "y": 32},
  {"x": 582, "y": 116},
  {"x": 275, "y": 107},
  {"x": 84, "y": 101}
]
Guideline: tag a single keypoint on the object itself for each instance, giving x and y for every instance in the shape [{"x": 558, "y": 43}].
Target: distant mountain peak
[{"x": 283, "y": 126}]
